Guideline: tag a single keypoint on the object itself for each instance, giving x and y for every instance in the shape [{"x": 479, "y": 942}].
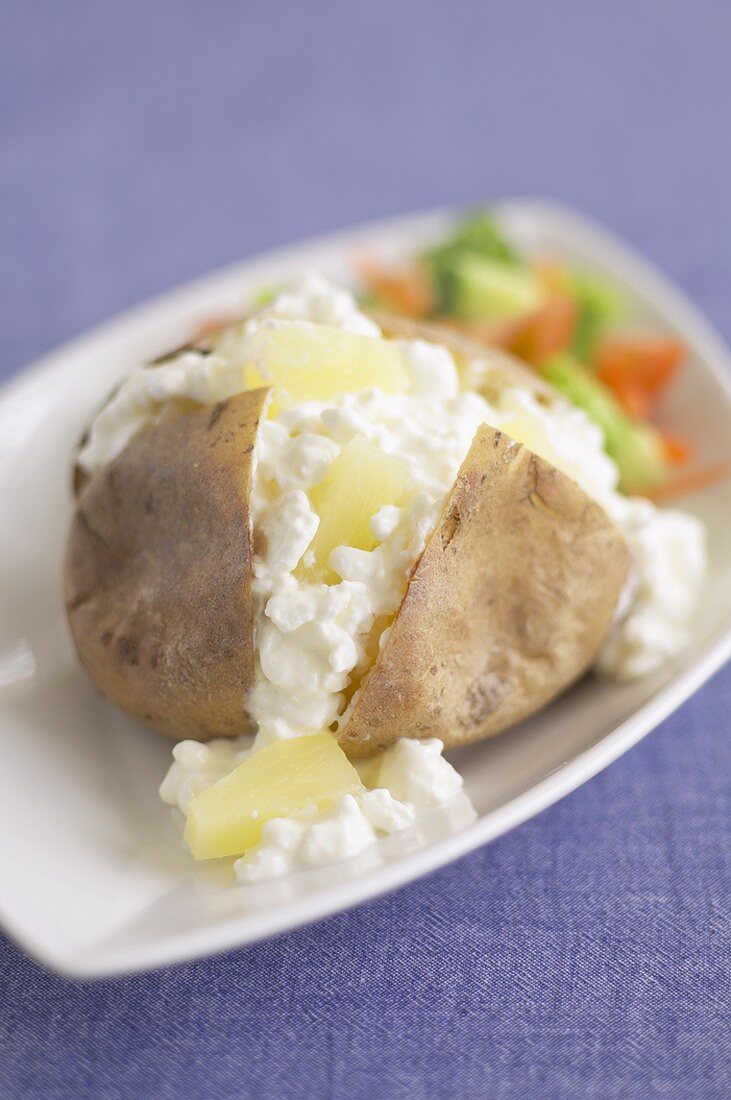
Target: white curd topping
[
  {"x": 150, "y": 394},
  {"x": 311, "y": 638},
  {"x": 196, "y": 767},
  {"x": 416, "y": 773},
  {"x": 669, "y": 553},
  {"x": 316, "y": 299},
  {"x": 412, "y": 777}
]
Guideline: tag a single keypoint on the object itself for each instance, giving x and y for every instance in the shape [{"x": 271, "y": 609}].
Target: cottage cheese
[
  {"x": 196, "y": 767},
  {"x": 151, "y": 394},
  {"x": 413, "y": 777},
  {"x": 311, "y": 638},
  {"x": 669, "y": 553}
]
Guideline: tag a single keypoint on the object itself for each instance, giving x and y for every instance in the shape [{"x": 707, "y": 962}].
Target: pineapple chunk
[
  {"x": 308, "y": 362},
  {"x": 360, "y": 481},
  {"x": 287, "y": 776}
]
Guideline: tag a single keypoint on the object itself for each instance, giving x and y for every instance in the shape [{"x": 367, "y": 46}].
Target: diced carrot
[
  {"x": 547, "y": 332},
  {"x": 631, "y": 394},
  {"x": 691, "y": 482},
  {"x": 406, "y": 289},
  {"x": 677, "y": 451},
  {"x": 649, "y": 361},
  {"x": 493, "y": 334},
  {"x": 534, "y": 337},
  {"x": 552, "y": 274},
  {"x": 207, "y": 325}
]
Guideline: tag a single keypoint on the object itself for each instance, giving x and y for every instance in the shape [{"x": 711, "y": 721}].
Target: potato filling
[
  {"x": 346, "y": 493},
  {"x": 360, "y": 482},
  {"x": 227, "y": 818},
  {"x": 307, "y": 362}
]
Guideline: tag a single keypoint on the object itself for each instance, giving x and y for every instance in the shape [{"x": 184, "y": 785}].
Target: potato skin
[
  {"x": 158, "y": 572},
  {"x": 514, "y": 593}
]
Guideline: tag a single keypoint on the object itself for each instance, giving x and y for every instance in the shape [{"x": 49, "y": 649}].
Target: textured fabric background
[{"x": 587, "y": 954}]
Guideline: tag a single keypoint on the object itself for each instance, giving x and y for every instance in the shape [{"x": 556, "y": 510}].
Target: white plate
[{"x": 92, "y": 878}]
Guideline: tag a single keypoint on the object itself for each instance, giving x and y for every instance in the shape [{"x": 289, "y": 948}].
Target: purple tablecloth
[{"x": 587, "y": 954}]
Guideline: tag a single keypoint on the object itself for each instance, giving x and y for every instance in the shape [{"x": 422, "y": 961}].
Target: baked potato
[{"x": 507, "y": 605}]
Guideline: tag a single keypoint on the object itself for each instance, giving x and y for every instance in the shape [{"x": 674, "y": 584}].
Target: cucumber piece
[
  {"x": 485, "y": 290},
  {"x": 637, "y": 448},
  {"x": 264, "y": 295},
  {"x": 477, "y": 235},
  {"x": 599, "y": 306}
]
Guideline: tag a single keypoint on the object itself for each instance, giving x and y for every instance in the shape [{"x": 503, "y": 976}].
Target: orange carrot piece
[
  {"x": 493, "y": 334},
  {"x": 677, "y": 451},
  {"x": 650, "y": 361},
  {"x": 691, "y": 482},
  {"x": 405, "y": 289},
  {"x": 632, "y": 395},
  {"x": 548, "y": 331},
  {"x": 533, "y": 337},
  {"x": 206, "y": 325},
  {"x": 552, "y": 274}
]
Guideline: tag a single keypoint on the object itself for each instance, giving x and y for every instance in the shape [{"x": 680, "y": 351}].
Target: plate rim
[{"x": 243, "y": 929}]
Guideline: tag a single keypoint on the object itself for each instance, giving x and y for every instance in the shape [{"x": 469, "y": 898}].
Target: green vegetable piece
[
  {"x": 264, "y": 295},
  {"x": 485, "y": 290},
  {"x": 637, "y": 448},
  {"x": 477, "y": 235},
  {"x": 599, "y": 306},
  {"x": 442, "y": 262}
]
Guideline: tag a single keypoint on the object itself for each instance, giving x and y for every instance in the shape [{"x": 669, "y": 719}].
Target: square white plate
[{"x": 92, "y": 877}]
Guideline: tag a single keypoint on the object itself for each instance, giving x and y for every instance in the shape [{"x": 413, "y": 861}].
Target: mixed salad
[{"x": 571, "y": 326}]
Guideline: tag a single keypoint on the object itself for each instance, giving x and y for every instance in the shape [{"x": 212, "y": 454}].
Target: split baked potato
[{"x": 509, "y": 603}]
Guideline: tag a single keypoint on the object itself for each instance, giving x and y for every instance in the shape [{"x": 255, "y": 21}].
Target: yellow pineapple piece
[
  {"x": 360, "y": 481},
  {"x": 308, "y": 362},
  {"x": 287, "y": 776}
]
